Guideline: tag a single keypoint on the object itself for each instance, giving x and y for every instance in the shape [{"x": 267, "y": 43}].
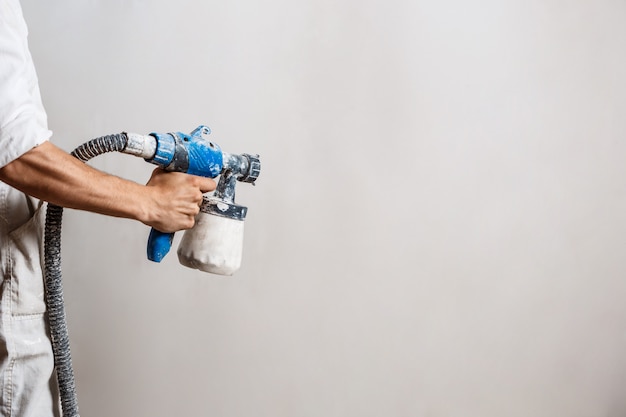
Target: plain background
[{"x": 438, "y": 229}]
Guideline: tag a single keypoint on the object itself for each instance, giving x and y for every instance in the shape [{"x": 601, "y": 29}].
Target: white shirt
[
  {"x": 26, "y": 359},
  {"x": 23, "y": 120}
]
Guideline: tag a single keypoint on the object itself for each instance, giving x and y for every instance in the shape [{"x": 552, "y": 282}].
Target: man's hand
[{"x": 177, "y": 199}]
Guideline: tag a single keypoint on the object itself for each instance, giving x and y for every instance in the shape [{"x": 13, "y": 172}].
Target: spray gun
[
  {"x": 215, "y": 242},
  {"x": 213, "y": 245}
]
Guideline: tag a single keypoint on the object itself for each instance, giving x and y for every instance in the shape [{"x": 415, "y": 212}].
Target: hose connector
[{"x": 143, "y": 146}]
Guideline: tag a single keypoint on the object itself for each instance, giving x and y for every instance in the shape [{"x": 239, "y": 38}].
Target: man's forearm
[
  {"x": 168, "y": 202},
  {"x": 50, "y": 174}
]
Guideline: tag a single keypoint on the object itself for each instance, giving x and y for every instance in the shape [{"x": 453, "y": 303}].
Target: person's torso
[{"x": 16, "y": 208}]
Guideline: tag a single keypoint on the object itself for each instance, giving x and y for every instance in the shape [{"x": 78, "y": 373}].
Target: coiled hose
[{"x": 53, "y": 280}]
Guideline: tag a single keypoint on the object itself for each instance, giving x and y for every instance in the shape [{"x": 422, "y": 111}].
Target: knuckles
[{"x": 190, "y": 222}]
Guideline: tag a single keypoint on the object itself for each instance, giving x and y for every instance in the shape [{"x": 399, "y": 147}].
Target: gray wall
[{"x": 438, "y": 229}]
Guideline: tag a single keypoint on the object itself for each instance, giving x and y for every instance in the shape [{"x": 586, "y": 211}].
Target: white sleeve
[{"x": 23, "y": 120}]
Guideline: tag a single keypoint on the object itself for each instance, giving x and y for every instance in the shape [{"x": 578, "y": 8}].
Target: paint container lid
[{"x": 219, "y": 207}]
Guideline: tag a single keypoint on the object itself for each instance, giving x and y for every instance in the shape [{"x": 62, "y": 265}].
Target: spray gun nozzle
[
  {"x": 244, "y": 167},
  {"x": 254, "y": 169}
]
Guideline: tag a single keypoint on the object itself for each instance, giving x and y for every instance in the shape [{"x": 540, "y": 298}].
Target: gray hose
[{"x": 53, "y": 282}]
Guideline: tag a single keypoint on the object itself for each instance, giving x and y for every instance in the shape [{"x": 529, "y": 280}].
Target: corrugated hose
[{"x": 53, "y": 280}]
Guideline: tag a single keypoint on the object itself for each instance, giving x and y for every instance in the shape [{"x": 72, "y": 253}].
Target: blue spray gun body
[{"x": 194, "y": 154}]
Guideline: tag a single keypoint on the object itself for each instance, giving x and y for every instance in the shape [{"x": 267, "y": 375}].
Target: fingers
[
  {"x": 207, "y": 185},
  {"x": 203, "y": 184},
  {"x": 177, "y": 199}
]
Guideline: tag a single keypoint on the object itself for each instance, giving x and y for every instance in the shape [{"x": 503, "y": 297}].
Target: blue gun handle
[{"x": 159, "y": 245}]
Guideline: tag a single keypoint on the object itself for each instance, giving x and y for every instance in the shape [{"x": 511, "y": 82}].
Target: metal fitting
[{"x": 143, "y": 146}]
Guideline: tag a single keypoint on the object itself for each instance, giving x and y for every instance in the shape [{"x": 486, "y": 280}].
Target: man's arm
[{"x": 168, "y": 202}]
